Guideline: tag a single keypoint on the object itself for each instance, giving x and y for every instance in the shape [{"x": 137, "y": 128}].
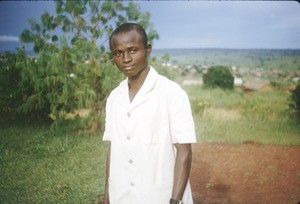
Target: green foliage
[
  {"x": 14, "y": 88},
  {"x": 91, "y": 21},
  {"x": 218, "y": 76},
  {"x": 294, "y": 102},
  {"x": 198, "y": 106},
  {"x": 264, "y": 105},
  {"x": 73, "y": 71},
  {"x": 10, "y": 97}
]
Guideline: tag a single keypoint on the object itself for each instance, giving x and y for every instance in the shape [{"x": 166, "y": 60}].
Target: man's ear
[{"x": 148, "y": 49}]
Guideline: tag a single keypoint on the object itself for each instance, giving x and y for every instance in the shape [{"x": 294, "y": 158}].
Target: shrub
[
  {"x": 10, "y": 92},
  {"x": 294, "y": 102},
  {"x": 218, "y": 76},
  {"x": 15, "y": 88}
]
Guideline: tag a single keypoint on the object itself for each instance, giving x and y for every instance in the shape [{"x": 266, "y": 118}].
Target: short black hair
[{"x": 126, "y": 27}]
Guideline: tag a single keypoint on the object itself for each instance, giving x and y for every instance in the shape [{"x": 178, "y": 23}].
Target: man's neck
[{"x": 136, "y": 82}]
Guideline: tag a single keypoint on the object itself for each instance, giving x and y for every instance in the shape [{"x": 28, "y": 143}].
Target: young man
[{"x": 150, "y": 128}]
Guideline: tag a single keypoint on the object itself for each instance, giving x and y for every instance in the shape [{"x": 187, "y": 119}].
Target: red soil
[{"x": 245, "y": 173}]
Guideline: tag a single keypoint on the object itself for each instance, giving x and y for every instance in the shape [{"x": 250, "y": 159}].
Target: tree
[
  {"x": 73, "y": 69},
  {"x": 218, "y": 76}
]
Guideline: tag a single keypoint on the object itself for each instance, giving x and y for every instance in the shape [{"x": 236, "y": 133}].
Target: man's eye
[
  {"x": 118, "y": 54},
  {"x": 132, "y": 51}
]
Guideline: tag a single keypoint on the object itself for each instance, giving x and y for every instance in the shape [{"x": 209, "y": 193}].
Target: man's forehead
[
  {"x": 126, "y": 34},
  {"x": 128, "y": 38}
]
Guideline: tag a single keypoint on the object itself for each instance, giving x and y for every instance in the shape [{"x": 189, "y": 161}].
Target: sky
[{"x": 188, "y": 24}]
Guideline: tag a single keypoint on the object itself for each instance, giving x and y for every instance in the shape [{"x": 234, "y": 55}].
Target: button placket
[
  {"x": 129, "y": 124},
  {"x": 131, "y": 149},
  {"x": 130, "y": 144}
]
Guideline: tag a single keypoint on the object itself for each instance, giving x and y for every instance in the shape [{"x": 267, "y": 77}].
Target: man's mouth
[{"x": 127, "y": 68}]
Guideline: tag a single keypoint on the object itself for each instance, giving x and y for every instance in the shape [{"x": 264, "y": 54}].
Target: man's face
[{"x": 129, "y": 52}]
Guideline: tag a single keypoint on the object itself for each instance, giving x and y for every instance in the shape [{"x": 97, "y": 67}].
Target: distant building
[{"x": 238, "y": 81}]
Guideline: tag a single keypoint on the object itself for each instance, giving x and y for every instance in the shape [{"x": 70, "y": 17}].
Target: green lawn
[{"x": 37, "y": 166}]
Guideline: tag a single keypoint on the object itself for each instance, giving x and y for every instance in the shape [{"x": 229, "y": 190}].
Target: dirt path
[{"x": 245, "y": 173}]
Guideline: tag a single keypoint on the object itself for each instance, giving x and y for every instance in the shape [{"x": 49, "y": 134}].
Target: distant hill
[{"x": 288, "y": 59}]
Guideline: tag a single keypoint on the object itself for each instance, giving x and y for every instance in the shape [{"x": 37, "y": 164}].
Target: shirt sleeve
[
  {"x": 181, "y": 120},
  {"x": 108, "y": 121}
]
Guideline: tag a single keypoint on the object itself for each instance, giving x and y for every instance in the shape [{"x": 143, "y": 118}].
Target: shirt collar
[
  {"x": 147, "y": 85},
  {"x": 149, "y": 81}
]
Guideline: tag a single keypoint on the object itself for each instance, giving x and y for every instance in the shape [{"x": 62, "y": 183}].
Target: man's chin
[{"x": 128, "y": 73}]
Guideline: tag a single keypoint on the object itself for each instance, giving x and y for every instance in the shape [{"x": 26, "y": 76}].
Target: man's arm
[
  {"x": 181, "y": 170},
  {"x": 106, "y": 194}
]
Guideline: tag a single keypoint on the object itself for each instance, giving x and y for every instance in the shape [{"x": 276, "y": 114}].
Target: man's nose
[{"x": 126, "y": 57}]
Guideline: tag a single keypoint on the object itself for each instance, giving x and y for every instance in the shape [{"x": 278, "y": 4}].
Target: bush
[
  {"x": 218, "y": 76},
  {"x": 10, "y": 92},
  {"x": 15, "y": 88},
  {"x": 294, "y": 102}
]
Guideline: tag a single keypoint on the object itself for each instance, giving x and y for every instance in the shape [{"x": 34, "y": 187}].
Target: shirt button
[
  {"x": 130, "y": 161},
  {"x": 128, "y": 114},
  {"x": 132, "y": 183},
  {"x": 128, "y": 137}
]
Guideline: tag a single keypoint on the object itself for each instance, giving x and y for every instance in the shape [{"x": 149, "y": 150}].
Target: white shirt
[{"x": 142, "y": 134}]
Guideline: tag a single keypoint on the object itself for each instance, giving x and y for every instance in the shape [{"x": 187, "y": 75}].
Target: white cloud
[{"x": 9, "y": 38}]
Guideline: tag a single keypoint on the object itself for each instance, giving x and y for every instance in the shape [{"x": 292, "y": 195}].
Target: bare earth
[{"x": 245, "y": 173}]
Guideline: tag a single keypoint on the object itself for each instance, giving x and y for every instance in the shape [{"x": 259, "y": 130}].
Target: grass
[
  {"x": 234, "y": 116},
  {"x": 244, "y": 130},
  {"x": 39, "y": 166}
]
